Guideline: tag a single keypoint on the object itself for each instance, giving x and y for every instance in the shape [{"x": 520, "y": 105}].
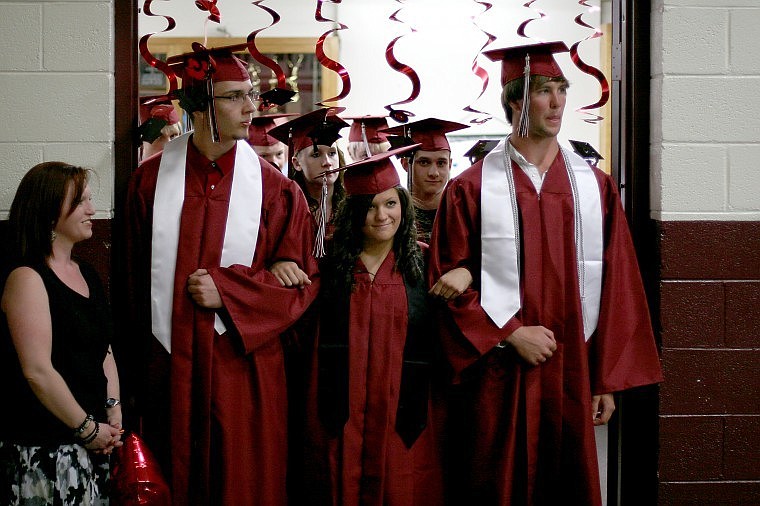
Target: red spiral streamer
[
  {"x": 399, "y": 115},
  {"x": 590, "y": 70},
  {"x": 480, "y": 71},
  {"x": 524, "y": 24},
  {"x": 148, "y": 56},
  {"x": 257, "y": 55},
  {"x": 325, "y": 61},
  {"x": 210, "y": 7}
]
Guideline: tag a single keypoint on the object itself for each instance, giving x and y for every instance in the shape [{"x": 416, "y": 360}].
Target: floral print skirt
[{"x": 64, "y": 475}]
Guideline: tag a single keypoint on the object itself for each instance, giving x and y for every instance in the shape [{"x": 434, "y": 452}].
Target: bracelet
[
  {"x": 91, "y": 437},
  {"x": 83, "y": 425}
]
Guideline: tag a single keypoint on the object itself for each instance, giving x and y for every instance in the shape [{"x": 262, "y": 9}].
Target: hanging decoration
[
  {"x": 478, "y": 70},
  {"x": 588, "y": 69},
  {"x": 325, "y": 61},
  {"x": 280, "y": 94},
  {"x": 524, "y": 24},
  {"x": 210, "y": 7},
  {"x": 397, "y": 114},
  {"x": 213, "y": 15},
  {"x": 149, "y": 58}
]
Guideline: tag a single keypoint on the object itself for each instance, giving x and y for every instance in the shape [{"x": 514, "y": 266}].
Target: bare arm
[
  {"x": 25, "y": 303},
  {"x": 113, "y": 390}
]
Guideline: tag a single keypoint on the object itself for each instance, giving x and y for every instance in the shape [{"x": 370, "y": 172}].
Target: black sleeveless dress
[
  {"x": 39, "y": 459},
  {"x": 82, "y": 331}
]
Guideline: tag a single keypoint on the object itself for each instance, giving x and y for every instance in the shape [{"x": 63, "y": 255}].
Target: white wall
[
  {"x": 56, "y": 77},
  {"x": 441, "y": 51},
  {"x": 705, "y": 156}
]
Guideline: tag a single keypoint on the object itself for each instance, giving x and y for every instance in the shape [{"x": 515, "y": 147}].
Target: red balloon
[{"x": 136, "y": 478}]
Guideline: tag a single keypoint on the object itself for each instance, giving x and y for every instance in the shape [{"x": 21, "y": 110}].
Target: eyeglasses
[{"x": 235, "y": 98}]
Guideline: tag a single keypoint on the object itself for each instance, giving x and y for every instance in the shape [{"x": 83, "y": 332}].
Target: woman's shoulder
[{"x": 24, "y": 285}]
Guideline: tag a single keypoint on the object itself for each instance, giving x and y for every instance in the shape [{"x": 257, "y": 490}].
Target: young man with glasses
[{"x": 209, "y": 221}]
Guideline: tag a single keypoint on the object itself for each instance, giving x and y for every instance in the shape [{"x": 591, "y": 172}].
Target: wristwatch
[{"x": 112, "y": 403}]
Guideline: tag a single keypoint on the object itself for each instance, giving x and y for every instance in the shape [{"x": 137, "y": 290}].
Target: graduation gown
[
  {"x": 367, "y": 462},
  {"x": 524, "y": 435},
  {"x": 220, "y": 402}
]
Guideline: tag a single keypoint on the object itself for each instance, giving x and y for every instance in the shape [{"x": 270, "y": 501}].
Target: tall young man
[{"x": 555, "y": 320}]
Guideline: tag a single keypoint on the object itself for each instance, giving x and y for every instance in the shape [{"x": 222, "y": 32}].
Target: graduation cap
[
  {"x": 275, "y": 97},
  {"x": 258, "y": 131},
  {"x": 155, "y": 114},
  {"x": 199, "y": 70},
  {"x": 586, "y": 151},
  {"x": 526, "y": 61},
  {"x": 480, "y": 149},
  {"x": 311, "y": 129},
  {"x": 372, "y": 175},
  {"x": 429, "y": 133}
]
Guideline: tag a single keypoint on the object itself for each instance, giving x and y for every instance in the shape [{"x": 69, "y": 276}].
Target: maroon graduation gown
[
  {"x": 227, "y": 422},
  {"x": 368, "y": 463},
  {"x": 525, "y": 434}
]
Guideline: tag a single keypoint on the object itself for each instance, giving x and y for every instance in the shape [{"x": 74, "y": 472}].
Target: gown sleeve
[
  {"x": 258, "y": 306},
  {"x": 623, "y": 352},
  {"x": 468, "y": 333}
]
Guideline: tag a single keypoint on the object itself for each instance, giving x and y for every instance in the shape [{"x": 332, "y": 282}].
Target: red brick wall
[{"x": 710, "y": 329}]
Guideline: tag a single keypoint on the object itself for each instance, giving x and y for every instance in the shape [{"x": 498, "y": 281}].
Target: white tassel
[
  {"x": 523, "y": 125},
  {"x": 319, "y": 241}
]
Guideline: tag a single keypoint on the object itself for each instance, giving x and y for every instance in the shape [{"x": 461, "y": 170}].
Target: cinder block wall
[
  {"x": 56, "y": 99},
  {"x": 705, "y": 175}
]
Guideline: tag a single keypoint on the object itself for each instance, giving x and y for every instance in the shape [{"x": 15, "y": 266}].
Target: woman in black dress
[{"x": 56, "y": 367}]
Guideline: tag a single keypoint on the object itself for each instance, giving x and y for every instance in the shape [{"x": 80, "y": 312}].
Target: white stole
[
  {"x": 240, "y": 233},
  {"x": 500, "y": 237}
]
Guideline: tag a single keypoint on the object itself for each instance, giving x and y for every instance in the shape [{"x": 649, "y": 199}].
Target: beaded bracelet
[
  {"x": 91, "y": 437},
  {"x": 78, "y": 431}
]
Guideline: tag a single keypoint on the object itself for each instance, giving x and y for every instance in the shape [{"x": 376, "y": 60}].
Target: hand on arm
[
  {"x": 602, "y": 407},
  {"x": 451, "y": 284},
  {"x": 289, "y": 274},
  {"x": 203, "y": 291},
  {"x": 534, "y": 344}
]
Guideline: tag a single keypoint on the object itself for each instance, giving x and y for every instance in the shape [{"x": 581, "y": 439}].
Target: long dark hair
[
  {"x": 347, "y": 243},
  {"x": 38, "y": 204}
]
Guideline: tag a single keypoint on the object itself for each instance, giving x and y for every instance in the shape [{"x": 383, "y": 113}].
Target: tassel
[
  {"x": 319, "y": 241},
  {"x": 212, "y": 111},
  {"x": 366, "y": 142},
  {"x": 522, "y": 128}
]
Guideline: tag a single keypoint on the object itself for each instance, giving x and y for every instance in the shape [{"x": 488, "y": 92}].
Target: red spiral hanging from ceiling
[
  {"x": 399, "y": 115},
  {"x": 326, "y": 61},
  {"x": 590, "y": 70},
  {"x": 149, "y": 58},
  {"x": 478, "y": 70}
]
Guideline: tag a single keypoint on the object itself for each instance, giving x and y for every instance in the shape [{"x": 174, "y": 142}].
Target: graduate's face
[
  {"x": 430, "y": 172},
  {"x": 547, "y": 104},
  {"x": 383, "y": 218},
  {"x": 276, "y": 154},
  {"x": 233, "y": 117},
  {"x": 313, "y": 163},
  {"x": 76, "y": 226}
]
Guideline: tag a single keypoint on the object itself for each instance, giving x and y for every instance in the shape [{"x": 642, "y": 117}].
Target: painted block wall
[
  {"x": 705, "y": 196},
  {"x": 56, "y": 77},
  {"x": 705, "y": 152}
]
